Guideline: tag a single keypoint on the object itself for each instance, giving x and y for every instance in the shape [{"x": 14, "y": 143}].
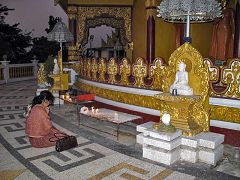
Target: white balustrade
[{"x": 17, "y": 72}]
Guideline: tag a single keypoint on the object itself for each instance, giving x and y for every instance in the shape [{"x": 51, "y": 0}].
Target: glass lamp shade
[
  {"x": 198, "y": 10},
  {"x": 60, "y": 33}
]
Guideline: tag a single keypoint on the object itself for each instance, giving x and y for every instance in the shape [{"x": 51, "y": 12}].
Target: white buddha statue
[
  {"x": 181, "y": 81},
  {"x": 56, "y": 67}
]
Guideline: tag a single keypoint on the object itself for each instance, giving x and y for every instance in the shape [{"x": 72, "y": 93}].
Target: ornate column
[
  {"x": 236, "y": 50},
  {"x": 72, "y": 15},
  {"x": 73, "y": 48},
  {"x": 151, "y": 8}
]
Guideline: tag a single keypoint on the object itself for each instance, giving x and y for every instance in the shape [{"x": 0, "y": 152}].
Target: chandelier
[
  {"x": 189, "y": 10},
  {"x": 197, "y": 10}
]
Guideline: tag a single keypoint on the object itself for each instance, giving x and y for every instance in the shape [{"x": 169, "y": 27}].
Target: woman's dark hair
[{"x": 44, "y": 95}]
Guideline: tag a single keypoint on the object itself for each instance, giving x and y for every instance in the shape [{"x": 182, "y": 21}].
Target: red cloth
[
  {"x": 39, "y": 127},
  {"x": 44, "y": 141},
  {"x": 86, "y": 97},
  {"x": 38, "y": 122}
]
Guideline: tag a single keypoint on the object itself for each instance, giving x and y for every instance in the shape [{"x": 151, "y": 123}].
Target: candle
[{"x": 115, "y": 116}]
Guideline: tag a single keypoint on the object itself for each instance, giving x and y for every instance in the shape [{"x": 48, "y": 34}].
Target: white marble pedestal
[{"x": 167, "y": 148}]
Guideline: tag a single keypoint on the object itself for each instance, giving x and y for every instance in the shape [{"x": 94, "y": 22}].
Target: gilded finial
[{"x": 225, "y": 3}]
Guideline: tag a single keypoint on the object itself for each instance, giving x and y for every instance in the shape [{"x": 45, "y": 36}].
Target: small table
[{"x": 108, "y": 115}]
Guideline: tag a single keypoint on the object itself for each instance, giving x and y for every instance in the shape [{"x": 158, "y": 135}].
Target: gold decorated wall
[
  {"x": 139, "y": 28},
  {"x": 165, "y": 39},
  {"x": 201, "y": 37}
]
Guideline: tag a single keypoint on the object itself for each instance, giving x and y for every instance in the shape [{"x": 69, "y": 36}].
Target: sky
[{"x": 33, "y": 14}]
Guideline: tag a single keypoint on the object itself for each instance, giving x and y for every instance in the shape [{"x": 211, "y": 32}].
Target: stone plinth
[
  {"x": 162, "y": 135},
  {"x": 162, "y": 147},
  {"x": 167, "y": 145},
  {"x": 160, "y": 155},
  {"x": 167, "y": 148}
]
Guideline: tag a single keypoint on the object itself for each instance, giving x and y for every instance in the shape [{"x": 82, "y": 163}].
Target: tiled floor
[{"x": 98, "y": 155}]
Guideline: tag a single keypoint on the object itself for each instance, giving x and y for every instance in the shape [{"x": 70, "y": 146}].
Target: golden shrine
[
  {"x": 152, "y": 49},
  {"x": 189, "y": 113}
]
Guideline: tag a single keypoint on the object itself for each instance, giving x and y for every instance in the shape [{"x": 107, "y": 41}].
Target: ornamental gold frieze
[
  {"x": 72, "y": 12},
  {"x": 156, "y": 73},
  {"x": 85, "y": 13},
  {"x": 139, "y": 72},
  {"x": 125, "y": 71},
  {"x": 112, "y": 71},
  {"x": 134, "y": 99},
  {"x": 224, "y": 113},
  {"x": 89, "y": 68},
  {"x": 94, "y": 69},
  {"x": 41, "y": 76},
  {"x": 231, "y": 77},
  {"x": 221, "y": 113},
  {"x": 102, "y": 69}
]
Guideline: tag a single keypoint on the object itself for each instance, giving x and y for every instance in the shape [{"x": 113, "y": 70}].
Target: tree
[
  {"x": 13, "y": 42},
  {"x": 43, "y": 48}
]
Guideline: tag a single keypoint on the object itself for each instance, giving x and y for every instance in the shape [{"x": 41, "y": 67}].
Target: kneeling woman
[{"x": 39, "y": 127}]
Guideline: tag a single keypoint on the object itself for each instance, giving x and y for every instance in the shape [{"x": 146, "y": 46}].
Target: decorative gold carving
[
  {"x": 224, "y": 113},
  {"x": 213, "y": 71},
  {"x": 151, "y": 6},
  {"x": 156, "y": 72},
  {"x": 81, "y": 67},
  {"x": 85, "y": 67},
  {"x": 112, "y": 71},
  {"x": 139, "y": 72},
  {"x": 197, "y": 112},
  {"x": 72, "y": 12},
  {"x": 73, "y": 53},
  {"x": 134, "y": 99},
  {"x": 231, "y": 77},
  {"x": 181, "y": 109},
  {"x": 125, "y": 71},
  {"x": 94, "y": 69},
  {"x": 85, "y": 13},
  {"x": 89, "y": 68},
  {"x": 41, "y": 76},
  {"x": 102, "y": 69},
  {"x": 227, "y": 114}
]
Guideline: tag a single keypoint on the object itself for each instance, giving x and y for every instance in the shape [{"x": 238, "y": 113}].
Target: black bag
[{"x": 65, "y": 143}]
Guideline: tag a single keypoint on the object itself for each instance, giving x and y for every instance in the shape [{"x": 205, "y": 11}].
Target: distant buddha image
[
  {"x": 56, "y": 67},
  {"x": 181, "y": 81},
  {"x": 223, "y": 35}
]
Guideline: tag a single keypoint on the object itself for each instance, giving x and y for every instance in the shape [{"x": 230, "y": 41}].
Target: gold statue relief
[
  {"x": 102, "y": 69},
  {"x": 112, "y": 71},
  {"x": 41, "y": 77},
  {"x": 139, "y": 72},
  {"x": 156, "y": 72},
  {"x": 94, "y": 69},
  {"x": 231, "y": 77},
  {"x": 89, "y": 68},
  {"x": 125, "y": 71}
]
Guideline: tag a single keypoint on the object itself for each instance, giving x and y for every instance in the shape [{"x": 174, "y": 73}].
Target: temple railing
[
  {"x": 224, "y": 80},
  {"x": 17, "y": 72}
]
